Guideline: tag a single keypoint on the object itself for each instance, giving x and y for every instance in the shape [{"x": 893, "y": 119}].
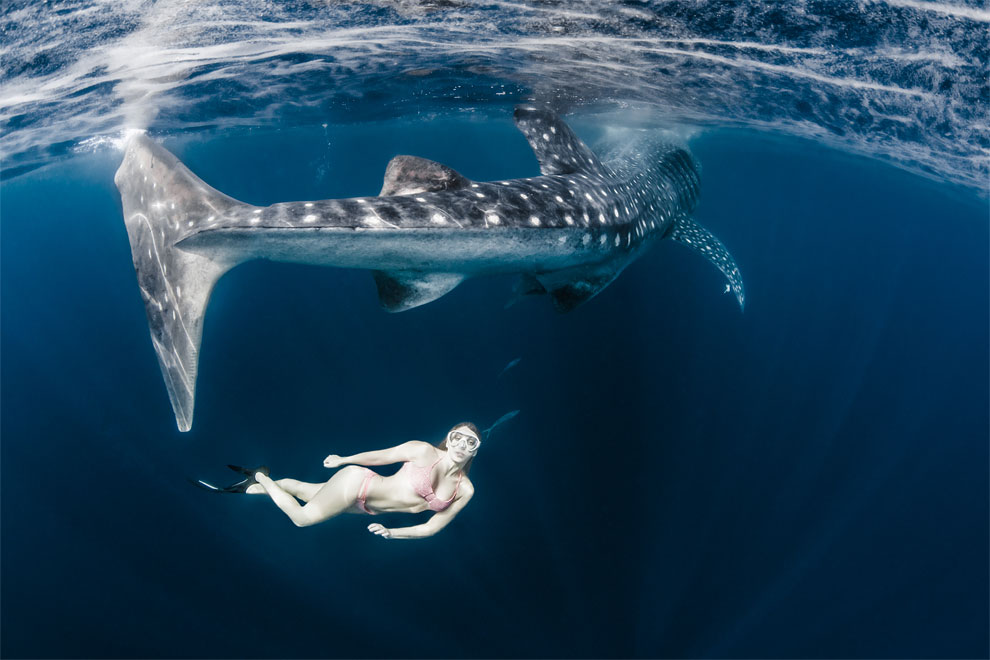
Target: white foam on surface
[{"x": 901, "y": 79}]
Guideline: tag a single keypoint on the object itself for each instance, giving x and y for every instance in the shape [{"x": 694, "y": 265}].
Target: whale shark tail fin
[
  {"x": 163, "y": 203},
  {"x": 558, "y": 149},
  {"x": 688, "y": 232}
]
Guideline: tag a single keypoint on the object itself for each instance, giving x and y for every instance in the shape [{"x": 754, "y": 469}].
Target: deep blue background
[{"x": 807, "y": 478}]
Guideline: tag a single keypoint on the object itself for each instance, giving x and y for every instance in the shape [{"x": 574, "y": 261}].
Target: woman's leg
[
  {"x": 301, "y": 489},
  {"x": 333, "y": 498}
]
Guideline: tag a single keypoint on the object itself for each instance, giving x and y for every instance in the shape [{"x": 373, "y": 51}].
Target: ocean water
[{"x": 807, "y": 478}]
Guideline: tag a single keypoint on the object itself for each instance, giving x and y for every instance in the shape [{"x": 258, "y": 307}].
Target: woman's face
[{"x": 462, "y": 444}]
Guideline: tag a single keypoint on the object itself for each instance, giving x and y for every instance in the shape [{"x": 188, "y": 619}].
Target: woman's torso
[{"x": 417, "y": 486}]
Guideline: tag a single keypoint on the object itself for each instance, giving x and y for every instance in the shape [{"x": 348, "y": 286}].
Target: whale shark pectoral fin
[
  {"x": 688, "y": 232},
  {"x": 567, "y": 297},
  {"x": 572, "y": 287},
  {"x": 557, "y": 148},
  {"x": 410, "y": 175},
  {"x": 399, "y": 291},
  {"x": 525, "y": 286},
  {"x": 164, "y": 203}
]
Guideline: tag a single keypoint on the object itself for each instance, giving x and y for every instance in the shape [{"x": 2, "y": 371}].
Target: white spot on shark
[
  {"x": 310, "y": 218},
  {"x": 535, "y": 221},
  {"x": 492, "y": 218}
]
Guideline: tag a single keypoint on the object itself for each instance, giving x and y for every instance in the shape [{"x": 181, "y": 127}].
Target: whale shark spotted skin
[{"x": 567, "y": 233}]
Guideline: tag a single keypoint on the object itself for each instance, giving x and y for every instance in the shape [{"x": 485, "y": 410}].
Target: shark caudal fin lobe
[
  {"x": 163, "y": 203},
  {"x": 560, "y": 151},
  {"x": 557, "y": 148},
  {"x": 688, "y": 232}
]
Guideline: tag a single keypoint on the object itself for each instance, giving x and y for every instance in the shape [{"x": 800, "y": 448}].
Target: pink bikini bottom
[{"x": 363, "y": 493}]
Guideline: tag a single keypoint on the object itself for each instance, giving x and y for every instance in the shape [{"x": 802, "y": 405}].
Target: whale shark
[{"x": 567, "y": 233}]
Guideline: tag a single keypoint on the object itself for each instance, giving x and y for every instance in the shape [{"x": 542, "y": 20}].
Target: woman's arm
[
  {"x": 407, "y": 451},
  {"x": 436, "y": 522}
]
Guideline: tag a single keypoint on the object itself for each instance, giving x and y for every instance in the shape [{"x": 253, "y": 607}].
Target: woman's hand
[
  {"x": 333, "y": 461},
  {"x": 376, "y": 528}
]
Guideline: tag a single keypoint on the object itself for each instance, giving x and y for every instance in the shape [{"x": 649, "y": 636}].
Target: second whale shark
[{"x": 567, "y": 233}]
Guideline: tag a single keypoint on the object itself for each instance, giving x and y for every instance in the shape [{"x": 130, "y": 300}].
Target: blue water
[
  {"x": 805, "y": 479},
  {"x": 808, "y": 478}
]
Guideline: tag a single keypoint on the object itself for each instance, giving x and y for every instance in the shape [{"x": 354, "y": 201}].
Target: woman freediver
[{"x": 431, "y": 478}]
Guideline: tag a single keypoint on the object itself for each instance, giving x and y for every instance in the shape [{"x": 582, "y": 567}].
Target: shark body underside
[{"x": 568, "y": 233}]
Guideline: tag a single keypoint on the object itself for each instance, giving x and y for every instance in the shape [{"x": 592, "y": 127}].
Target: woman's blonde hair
[{"x": 471, "y": 427}]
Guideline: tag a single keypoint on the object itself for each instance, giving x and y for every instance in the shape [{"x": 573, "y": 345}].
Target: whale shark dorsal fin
[
  {"x": 557, "y": 148},
  {"x": 688, "y": 232},
  {"x": 411, "y": 175},
  {"x": 402, "y": 290}
]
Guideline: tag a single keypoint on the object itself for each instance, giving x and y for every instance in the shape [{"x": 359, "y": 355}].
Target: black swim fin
[
  {"x": 199, "y": 483},
  {"x": 249, "y": 472},
  {"x": 240, "y": 486}
]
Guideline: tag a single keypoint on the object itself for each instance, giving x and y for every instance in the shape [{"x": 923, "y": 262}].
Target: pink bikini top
[{"x": 419, "y": 479}]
